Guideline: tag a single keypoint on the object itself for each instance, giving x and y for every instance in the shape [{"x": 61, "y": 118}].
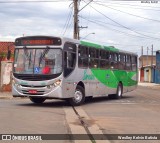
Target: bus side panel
[
  {"x": 122, "y": 77},
  {"x": 107, "y": 82},
  {"x": 70, "y": 83},
  {"x": 132, "y": 80}
]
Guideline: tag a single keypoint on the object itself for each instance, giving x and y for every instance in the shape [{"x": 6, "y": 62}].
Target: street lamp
[{"x": 87, "y": 35}]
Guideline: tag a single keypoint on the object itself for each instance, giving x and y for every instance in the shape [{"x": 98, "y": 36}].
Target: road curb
[
  {"x": 151, "y": 87},
  {"x": 6, "y": 95}
]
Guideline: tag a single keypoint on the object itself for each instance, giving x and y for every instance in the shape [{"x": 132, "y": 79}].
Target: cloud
[{"x": 49, "y": 19}]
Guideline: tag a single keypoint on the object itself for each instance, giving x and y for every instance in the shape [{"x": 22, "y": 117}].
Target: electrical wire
[
  {"x": 132, "y": 5},
  {"x": 100, "y": 24},
  {"x": 129, "y": 13},
  {"x": 67, "y": 22},
  {"x": 33, "y": 1},
  {"x": 115, "y": 43},
  {"x": 123, "y": 25}
]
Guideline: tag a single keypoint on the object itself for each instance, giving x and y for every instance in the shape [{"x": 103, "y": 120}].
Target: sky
[{"x": 127, "y": 25}]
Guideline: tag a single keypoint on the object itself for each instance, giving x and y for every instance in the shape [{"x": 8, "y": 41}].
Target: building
[
  {"x": 157, "y": 71},
  {"x": 147, "y": 64},
  {"x": 4, "y": 47}
]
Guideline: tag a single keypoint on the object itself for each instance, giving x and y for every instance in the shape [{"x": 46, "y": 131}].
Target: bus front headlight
[
  {"x": 57, "y": 83},
  {"x": 15, "y": 83}
]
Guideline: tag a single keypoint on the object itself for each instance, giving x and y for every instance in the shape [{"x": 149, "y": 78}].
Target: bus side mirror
[{"x": 9, "y": 54}]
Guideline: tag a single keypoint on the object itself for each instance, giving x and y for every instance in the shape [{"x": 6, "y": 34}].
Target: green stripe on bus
[
  {"x": 109, "y": 48},
  {"x": 84, "y": 43},
  {"x": 111, "y": 78}
]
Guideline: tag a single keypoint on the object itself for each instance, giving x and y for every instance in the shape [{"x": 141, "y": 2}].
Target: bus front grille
[
  {"x": 35, "y": 77},
  {"x": 34, "y": 86}
]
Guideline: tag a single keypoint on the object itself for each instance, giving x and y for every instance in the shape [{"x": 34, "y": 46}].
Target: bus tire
[
  {"x": 79, "y": 97},
  {"x": 37, "y": 100},
  {"x": 119, "y": 92}
]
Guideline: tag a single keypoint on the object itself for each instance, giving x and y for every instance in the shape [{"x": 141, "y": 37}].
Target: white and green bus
[{"x": 47, "y": 67}]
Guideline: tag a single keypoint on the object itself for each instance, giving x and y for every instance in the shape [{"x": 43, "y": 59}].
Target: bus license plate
[{"x": 32, "y": 91}]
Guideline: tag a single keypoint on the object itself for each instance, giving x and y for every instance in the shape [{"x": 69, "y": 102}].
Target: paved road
[{"x": 138, "y": 112}]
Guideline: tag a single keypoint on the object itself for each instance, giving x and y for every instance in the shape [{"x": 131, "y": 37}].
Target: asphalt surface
[{"x": 138, "y": 112}]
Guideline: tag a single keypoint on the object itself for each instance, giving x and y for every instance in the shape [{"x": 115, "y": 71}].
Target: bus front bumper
[{"x": 45, "y": 92}]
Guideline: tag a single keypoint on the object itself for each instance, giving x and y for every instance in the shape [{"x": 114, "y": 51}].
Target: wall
[
  {"x": 4, "y": 68},
  {"x": 147, "y": 74},
  {"x": 157, "y": 72},
  {"x": 6, "y": 76},
  {"x": 145, "y": 60}
]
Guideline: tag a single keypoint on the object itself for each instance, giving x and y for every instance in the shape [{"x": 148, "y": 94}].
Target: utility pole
[
  {"x": 76, "y": 27},
  {"x": 142, "y": 50},
  {"x": 76, "y": 30},
  {"x": 142, "y": 56},
  {"x": 152, "y": 56},
  {"x": 147, "y": 56}
]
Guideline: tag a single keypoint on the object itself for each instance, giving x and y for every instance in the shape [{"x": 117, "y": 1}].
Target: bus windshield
[{"x": 38, "y": 61}]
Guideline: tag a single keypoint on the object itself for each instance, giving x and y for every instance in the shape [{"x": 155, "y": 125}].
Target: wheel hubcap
[
  {"x": 119, "y": 91},
  {"x": 78, "y": 96}
]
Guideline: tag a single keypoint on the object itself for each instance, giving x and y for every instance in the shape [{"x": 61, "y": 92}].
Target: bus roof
[
  {"x": 109, "y": 48},
  {"x": 84, "y": 43},
  {"x": 98, "y": 46}
]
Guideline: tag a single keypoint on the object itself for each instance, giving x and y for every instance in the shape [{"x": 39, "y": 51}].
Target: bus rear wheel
[
  {"x": 118, "y": 94},
  {"x": 37, "y": 100},
  {"x": 79, "y": 97}
]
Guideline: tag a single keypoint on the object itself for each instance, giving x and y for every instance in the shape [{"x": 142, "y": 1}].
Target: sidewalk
[
  {"x": 6, "y": 95},
  {"x": 149, "y": 85}
]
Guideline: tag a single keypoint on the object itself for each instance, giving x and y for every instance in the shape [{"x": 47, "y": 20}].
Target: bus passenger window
[
  {"x": 134, "y": 63},
  {"x": 121, "y": 61},
  {"x": 71, "y": 59},
  {"x": 128, "y": 62},
  {"x": 104, "y": 59},
  {"x": 83, "y": 56},
  {"x": 93, "y": 58},
  {"x": 115, "y": 61}
]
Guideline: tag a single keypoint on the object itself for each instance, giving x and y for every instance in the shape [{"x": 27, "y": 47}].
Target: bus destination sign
[{"x": 37, "y": 41}]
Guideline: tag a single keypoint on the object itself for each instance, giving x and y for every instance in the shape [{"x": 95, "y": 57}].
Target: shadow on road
[
  {"x": 47, "y": 103},
  {"x": 105, "y": 99},
  {"x": 62, "y": 103}
]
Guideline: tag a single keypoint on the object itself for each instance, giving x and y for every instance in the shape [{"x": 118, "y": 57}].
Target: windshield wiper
[
  {"x": 43, "y": 55},
  {"x": 26, "y": 52}
]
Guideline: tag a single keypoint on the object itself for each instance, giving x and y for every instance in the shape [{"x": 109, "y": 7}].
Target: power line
[
  {"x": 122, "y": 4},
  {"x": 126, "y": 6},
  {"x": 67, "y": 22},
  {"x": 115, "y": 43},
  {"x": 100, "y": 24},
  {"x": 85, "y": 5},
  {"x": 34, "y": 1},
  {"x": 129, "y": 13},
  {"x": 123, "y": 25}
]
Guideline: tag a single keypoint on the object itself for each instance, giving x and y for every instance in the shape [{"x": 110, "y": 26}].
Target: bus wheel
[
  {"x": 37, "y": 100},
  {"x": 78, "y": 98},
  {"x": 118, "y": 95}
]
